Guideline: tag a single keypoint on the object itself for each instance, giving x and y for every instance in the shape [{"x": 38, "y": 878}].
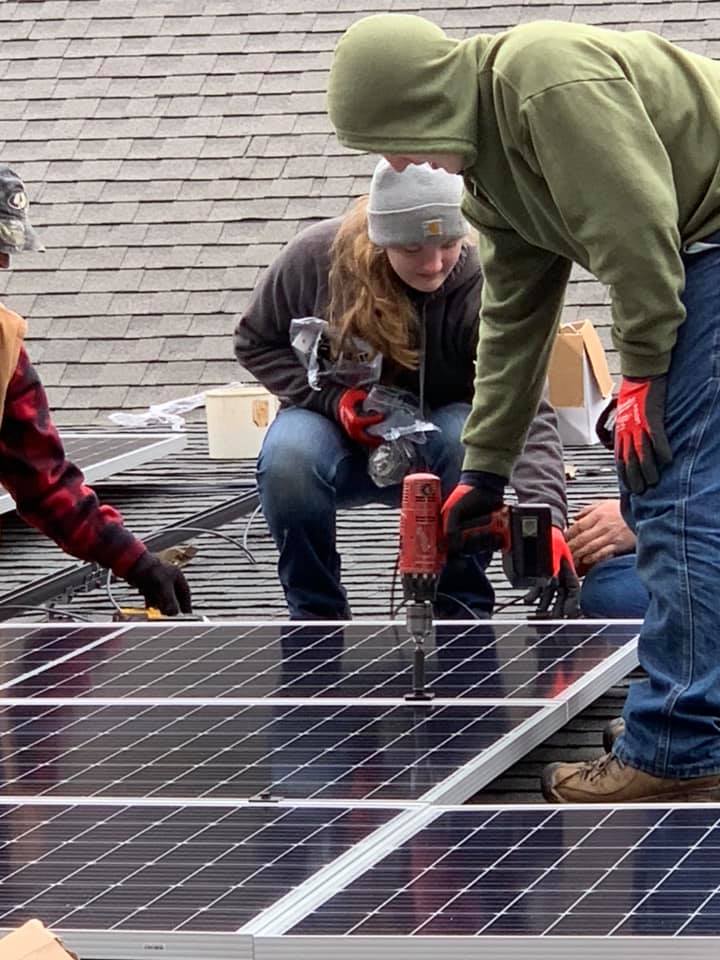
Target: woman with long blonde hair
[{"x": 399, "y": 274}]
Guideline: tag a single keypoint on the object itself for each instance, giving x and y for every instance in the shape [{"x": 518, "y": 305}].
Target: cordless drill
[{"x": 523, "y": 534}]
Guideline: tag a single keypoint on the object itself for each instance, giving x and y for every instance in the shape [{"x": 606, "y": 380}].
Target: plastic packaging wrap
[
  {"x": 168, "y": 414},
  {"x": 403, "y": 429},
  {"x": 309, "y": 339}
]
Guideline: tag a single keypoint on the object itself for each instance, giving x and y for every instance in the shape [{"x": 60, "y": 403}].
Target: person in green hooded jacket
[{"x": 584, "y": 145}]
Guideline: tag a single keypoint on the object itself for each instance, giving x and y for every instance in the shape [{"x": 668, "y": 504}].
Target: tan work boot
[
  {"x": 609, "y": 780},
  {"x": 613, "y": 730}
]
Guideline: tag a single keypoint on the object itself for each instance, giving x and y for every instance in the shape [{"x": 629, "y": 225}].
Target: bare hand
[{"x": 599, "y": 532}]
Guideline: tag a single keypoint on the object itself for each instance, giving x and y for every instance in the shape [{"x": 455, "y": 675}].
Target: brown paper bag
[
  {"x": 32, "y": 941},
  {"x": 579, "y": 381}
]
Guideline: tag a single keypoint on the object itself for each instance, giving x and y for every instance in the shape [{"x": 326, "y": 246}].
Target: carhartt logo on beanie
[{"x": 419, "y": 205}]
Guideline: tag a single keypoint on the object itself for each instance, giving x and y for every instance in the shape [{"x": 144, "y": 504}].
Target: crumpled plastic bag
[
  {"x": 309, "y": 340},
  {"x": 168, "y": 414},
  {"x": 403, "y": 429}
]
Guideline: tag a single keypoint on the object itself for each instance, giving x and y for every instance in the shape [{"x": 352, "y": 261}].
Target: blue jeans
[
  {"x": 673, "y": 717},
  {"x": 307, "y": 469},
  {"x": 612, "y": 590}
]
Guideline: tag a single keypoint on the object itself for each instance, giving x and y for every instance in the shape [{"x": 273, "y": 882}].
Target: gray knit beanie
[{"x": 419, "y": 205}]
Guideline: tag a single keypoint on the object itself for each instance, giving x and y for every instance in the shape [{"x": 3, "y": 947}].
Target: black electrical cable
[{"x": 185, "y": 529}]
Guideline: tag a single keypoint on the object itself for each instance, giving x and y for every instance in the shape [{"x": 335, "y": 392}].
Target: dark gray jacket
[{"x": 296, "y": 285}]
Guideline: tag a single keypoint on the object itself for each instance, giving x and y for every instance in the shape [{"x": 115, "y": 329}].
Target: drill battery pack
[{"x": 528, "y": 559}]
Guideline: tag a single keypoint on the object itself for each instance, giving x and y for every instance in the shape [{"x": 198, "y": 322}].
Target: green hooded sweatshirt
[{"x": 580, "y": 145}]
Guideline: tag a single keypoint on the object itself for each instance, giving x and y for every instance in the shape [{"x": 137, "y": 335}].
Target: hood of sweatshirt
[{"x": 399, "y": 85}]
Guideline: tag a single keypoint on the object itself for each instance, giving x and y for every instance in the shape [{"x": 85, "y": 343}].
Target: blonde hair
[{"x": 366, "y": 299}]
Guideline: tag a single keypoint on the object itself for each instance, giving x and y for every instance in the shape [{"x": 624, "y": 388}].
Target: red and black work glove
[
  {"x": 641, "y": 444},
  {"x": 162, "y": 584},
  {"x": 469, "y": 508},
  {"x": 559, "y": 599},
  {"x": 354, "y": 422},
  {"x": 605, "y": 426}
]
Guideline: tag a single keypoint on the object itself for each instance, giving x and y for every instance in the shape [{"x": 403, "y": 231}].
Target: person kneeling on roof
[
  {"x": 399, "y": 273},
  {"x": 603, "y": 547},
  {"x": 49, "y": 491}
]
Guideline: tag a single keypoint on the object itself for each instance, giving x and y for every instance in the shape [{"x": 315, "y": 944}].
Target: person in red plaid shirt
[{"x": 49, "y": 491}]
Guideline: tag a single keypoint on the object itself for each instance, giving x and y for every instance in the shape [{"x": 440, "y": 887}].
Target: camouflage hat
[{"x": 16, "y": 231}]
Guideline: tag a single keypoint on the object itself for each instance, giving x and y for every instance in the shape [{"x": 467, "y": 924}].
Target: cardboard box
[
  {"x": 33, "y": 942},
  {"x": 579, "y": 381}
]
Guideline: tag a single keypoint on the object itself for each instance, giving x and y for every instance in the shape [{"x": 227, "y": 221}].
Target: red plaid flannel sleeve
[{"x": 49, "y": 490}]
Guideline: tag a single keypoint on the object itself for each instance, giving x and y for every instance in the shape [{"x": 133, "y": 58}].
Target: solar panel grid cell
[
  {"x": 490, "y": 661},
  {"x": 101, "y": 455},
  {"x": 594, "y": 872},
  {"x": 169, "y": 868},
  {"x": 361, "y": 751}
]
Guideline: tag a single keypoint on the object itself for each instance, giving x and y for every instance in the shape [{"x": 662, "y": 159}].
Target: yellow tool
[{"x": 138, "y": 613}]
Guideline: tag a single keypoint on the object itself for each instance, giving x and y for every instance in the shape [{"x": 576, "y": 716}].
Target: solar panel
[
  {"x": 309, "y": 751},
  {"x": 540, "y": 872},
  {"x": 163, "y": 867},
  {"x": 26, "y": 650},
  {"x": 485, "y": 660},
  {"x": 191, "y": 718},
  {"x": 100, "y": 455}
]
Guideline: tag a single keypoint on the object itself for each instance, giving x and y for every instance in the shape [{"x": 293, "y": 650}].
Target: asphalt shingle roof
[{"x": 169, "y": 153}]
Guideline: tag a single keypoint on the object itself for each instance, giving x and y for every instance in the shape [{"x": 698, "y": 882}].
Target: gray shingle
[
  {"x": 77, "y": 87},
  {"x": 161, "y": 256},
  {"x": 223, "y": 84},
  {"x": 230, "y": 147},
  {"x": 146, "y": 46},
  {"x": 139, "y": 190},
  {"x": 197, "y": 348},
  {"x": 79, "y": 305},
  {"x": 187, "y": 106},
  {"x": 79, "y": 67},
  {"x": 56, "y": 352},
  {"x": 96, "y": 397},
  {"x": 124, "y": 27},
  {"x": 162, "y": 325},
  {"x": 54, "y": 192},
  {"x": 15, "y": 29},
  {"x": 213, "y": 325},
  {"x": 117, "y": 235},
  {"x": 209, "y": 43},
  {"x": 220, "y": 371},
  {"x": 131, "y": 127},
  {"x": 161, "y": 169},
  {"x": 211, "y": 301},
  {"x": 97, "y": 259},
  {"x": 272, "y": 42},
  {"x": 174, "y": 301},
  {"x": 51, "y": 281},
  {"x": 57, "y": 397},
  {"x": 186, "y": 85},
  {"x": 195, "y": 26},
  {"x": 108, "y": 281},
  {"x": 111, "y": 107},
  {"x": 192, "y": 233},
  {"x": 174, "y": 372}
]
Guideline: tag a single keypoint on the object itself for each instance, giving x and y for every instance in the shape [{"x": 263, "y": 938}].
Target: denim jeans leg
[
  {"x": 673, "y": 717},
  {"x": 464, "y": 590},
  {"x": 304, "y": 456},
  {"x": 612, "y": 590}
]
